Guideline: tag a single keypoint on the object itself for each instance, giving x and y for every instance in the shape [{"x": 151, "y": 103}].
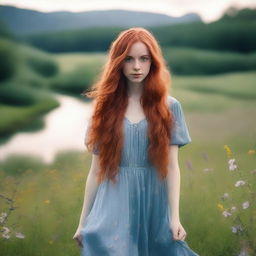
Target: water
[{"x": 64, "y": 129}]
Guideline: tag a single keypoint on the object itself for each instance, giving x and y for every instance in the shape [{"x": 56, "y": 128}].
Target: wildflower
[
  {"x": 50, "y": 241},
  {"x": 6, "y": 230},
  {"x": 239, "y": 183},
  {"x": 3, "y": 216},
  {"x": 46, "y": 201},
  {"x": 5, "y": 235},
  {"x": 19, "y": 235},
  {"x": 251, "y": 152},
  {"x": 231, "y": 164},
  {"x": 220, "y": 206},
  {"x": 226, "y": 195},
  {"x": 245, "y": 205},
  {"x": 228, "y": 150},
  {"x": 233, "y": 208},
  {"x": 226, "y": 213},
  {"x": 236, "y": 228}
]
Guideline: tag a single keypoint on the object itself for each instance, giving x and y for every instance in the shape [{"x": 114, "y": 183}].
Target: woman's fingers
[
  {"x": 181, "y": 235},
  {"x": 79, "y": 241},
  {"x": 184, "y": 236},
  {"x": 178, "y": 231}
]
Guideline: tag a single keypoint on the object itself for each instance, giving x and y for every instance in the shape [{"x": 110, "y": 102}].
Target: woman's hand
[
  {"x": 78, "y": 238},
  {"x": 178, "y": 231}
]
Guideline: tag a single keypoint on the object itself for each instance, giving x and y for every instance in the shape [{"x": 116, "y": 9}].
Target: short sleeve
[
  {"x": 180, "y": 133},
  {"x": 95, "y": 148}
]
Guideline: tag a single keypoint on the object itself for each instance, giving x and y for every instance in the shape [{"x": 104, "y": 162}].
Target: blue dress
[{"x": 131, "y": 217}]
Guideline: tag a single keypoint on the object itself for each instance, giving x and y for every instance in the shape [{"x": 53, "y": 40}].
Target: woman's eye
[
  {"x": 145, "y": 58},
  {"x": 128, "y": 58}
]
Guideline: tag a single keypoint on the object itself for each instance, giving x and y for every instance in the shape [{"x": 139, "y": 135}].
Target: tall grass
[{"x": 48, "y": 213}]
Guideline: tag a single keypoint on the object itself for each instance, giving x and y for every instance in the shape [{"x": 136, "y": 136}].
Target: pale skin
[{"x": 138, "y": 61}]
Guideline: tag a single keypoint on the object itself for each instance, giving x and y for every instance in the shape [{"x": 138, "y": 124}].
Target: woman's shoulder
[{"x": 172, "y": 101}]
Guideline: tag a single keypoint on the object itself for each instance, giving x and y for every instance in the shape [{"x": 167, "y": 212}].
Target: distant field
[
  {"x": 69, "y": 61},
  {"x": 217, "y": 107}
]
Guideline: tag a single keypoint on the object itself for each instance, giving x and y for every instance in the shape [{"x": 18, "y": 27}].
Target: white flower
[
  {"x": 231, "y": 164},
  {"x": 3, "y": 216},
  {"x": 19, "y": 235},
  {"x": 236, "y": 228},
  {"x": 239, "y": 183},
  {"x": 226, "y": 213},
  {"x": 233, "y": 208},
  {"x": 4, "y": 235},
  {"x": 6, "y": 230},
  {"x": 226, "y": 195},
  {"x": 245, "y": 205}
]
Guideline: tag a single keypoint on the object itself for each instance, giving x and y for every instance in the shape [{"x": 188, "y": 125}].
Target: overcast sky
[{"x": 208, "y": 10}]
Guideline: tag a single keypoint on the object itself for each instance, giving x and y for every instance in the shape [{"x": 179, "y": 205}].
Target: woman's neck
[{"x": 135, "y": 90}]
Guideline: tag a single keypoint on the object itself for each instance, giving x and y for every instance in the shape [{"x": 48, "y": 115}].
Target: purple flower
[
  {"x": 225, "y": 196},
  {"x": 239, "y": 183}
]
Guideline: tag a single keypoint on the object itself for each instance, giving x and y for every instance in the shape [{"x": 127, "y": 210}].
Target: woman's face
[{"x": 137, "y": 61}]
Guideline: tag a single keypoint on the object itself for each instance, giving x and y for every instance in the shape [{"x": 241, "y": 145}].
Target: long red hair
[{"x": 110, "y": 92}]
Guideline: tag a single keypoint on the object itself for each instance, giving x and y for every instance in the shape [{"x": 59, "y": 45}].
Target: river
[{"x": 64, "y": 129}]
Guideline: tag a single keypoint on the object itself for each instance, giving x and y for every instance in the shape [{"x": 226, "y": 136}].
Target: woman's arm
[
  {"x": 91, "y": 188},
  {"x": 173, "y": 183}
]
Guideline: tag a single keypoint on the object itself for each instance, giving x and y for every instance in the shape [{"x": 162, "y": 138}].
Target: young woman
[{"x": 131, "y": 202}]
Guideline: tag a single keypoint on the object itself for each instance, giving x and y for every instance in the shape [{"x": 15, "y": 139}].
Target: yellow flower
[
  {"x": 46, "y": 201},
  {"x": 220, "y": 207},
  {"x": 228, "y": 150},
  {"x": 251, "y": 152},
  {"x": 50, "y": 241}
]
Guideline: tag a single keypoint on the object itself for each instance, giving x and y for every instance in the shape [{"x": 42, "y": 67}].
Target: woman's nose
[{"x": 136, "y": 65}]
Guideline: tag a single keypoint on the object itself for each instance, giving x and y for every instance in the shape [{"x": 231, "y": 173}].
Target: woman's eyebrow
[{"x": 140, "y": 55}]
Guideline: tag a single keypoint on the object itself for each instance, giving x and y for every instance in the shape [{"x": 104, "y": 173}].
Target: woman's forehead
[{"x": 138, "y": 48}]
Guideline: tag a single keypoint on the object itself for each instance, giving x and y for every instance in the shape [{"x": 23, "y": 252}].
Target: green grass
[
  {"x": 70, "y": 61},
  {"x": 49, "y": 213},
  {"x": 77, "y": 71},
  {"x": 219, "y": 110}
]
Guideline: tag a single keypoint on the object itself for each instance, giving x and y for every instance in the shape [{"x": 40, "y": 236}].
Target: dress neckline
[{"x": 144, "y": 119}]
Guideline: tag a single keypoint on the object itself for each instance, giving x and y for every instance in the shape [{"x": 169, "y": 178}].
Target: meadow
[{"x": 43, "y": 202}]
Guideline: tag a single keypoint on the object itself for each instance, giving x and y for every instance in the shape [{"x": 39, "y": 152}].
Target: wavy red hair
[{"x": 110, "y": 92}]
